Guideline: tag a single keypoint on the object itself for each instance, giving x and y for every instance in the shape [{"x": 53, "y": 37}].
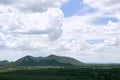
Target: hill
[
  {"x": 4, "y": 62},
  {"x": 63, "y": 59},
  {"x": 51, "y": 60}
]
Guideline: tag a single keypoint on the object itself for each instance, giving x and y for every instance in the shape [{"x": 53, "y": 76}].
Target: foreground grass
[{"x": 62, "y": 74}]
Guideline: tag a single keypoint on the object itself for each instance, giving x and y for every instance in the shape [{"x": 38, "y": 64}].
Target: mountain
[
  {"x": 63, "y": 59},
  {"x": 51, "y": 60},
  {"x": 4, "y": 62}
]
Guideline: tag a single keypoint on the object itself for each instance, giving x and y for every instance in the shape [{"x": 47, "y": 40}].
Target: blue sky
[
  {"x": 95, "y": 41},
  {"x": 72, "y": 7},
  {"x": 76, "y": 7},
  {"x": 103, "y": 20}
]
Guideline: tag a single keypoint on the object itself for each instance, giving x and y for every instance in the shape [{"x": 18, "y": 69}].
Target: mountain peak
[
  {"x": 4, "y": 60},
  {"x": 52, "y": 55},
  {"x": 28, "y": 56}
]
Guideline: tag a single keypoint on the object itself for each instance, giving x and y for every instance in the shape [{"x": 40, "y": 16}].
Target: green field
[{"x": 62, "y": 74}]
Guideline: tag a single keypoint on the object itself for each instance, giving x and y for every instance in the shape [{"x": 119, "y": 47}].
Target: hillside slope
[{"x": 51, "y": 60}]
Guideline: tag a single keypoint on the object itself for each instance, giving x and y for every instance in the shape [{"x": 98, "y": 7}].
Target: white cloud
[
  {"x": 33, "y": 6},
  {"x": 78, "y": 28},
  {"x": 22, "y": 31},
  {"x": 104, "y": 3},
  {"x": 28, "y": 28},
  {"x": 113, "y": 33},
  {"x": 48, "y": 22},
  {"x": 104, "y": 6}
]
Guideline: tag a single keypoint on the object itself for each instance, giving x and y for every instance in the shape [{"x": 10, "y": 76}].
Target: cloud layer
[
  {"x": 39, "y": 28},
  {"x": 33, "y": 6},
  {"x": 29, "y": 26}
]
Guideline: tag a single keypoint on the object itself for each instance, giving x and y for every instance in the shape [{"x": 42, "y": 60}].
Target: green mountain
[
  {"x": 51, "y": 60},
  {"x": 4, "y": 62},
  {"x": 63, "y": 59}
]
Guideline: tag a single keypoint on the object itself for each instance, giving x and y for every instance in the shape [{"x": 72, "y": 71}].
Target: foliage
[
  {"x": 51, "y": 60},
  {"x": 63, "y": 74}
]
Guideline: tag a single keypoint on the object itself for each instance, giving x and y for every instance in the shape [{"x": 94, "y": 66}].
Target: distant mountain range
[
  {"x": 4, "y": 62},
  {"x": 51, "y": 60}
]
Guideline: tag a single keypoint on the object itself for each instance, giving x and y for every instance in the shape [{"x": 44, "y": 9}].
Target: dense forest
[{"x": 63, "y": 74}]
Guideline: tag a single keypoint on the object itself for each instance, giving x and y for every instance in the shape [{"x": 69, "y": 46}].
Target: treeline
[{"x": 63, "y": 74}]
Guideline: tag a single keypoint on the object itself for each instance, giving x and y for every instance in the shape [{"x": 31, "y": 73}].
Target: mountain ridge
[
  {"x": 51, "y": 60},
  {"x": 3, "y": 62}
]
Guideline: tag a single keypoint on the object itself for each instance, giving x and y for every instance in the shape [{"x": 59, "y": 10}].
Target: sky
[{"x": 87, "y": 30}]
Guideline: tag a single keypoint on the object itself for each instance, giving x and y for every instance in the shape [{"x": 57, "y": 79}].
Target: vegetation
[
  {"x": 57, "y": 68},
  {"x": 63, "y": 74},
  {"x": 51, "y": 60}
]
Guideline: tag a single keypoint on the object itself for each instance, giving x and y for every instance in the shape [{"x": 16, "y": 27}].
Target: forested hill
[{"x": 51, "y": 60}]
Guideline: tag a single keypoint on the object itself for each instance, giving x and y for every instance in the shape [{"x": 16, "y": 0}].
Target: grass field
[{"x": 62, "y": 74}]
